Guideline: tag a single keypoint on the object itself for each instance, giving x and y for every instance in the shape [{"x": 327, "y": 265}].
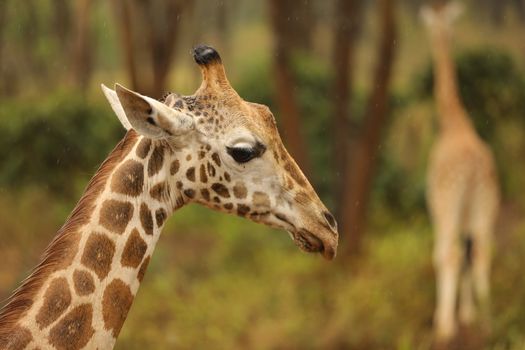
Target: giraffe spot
[
  {"x": 74, "y": 330},
  {"x": 216, "y": 158},
  {"x": 261, "y": 199},
  {"x": 201, "y": 155},
  {"x": 228, "y": 206},
  {"x": 221, "y": 190},
  {"x": 289, "y": 183},
  {"x": 302, "y": 197},
  {"x": 156, "y": 160},
  {"x": 239, "y": 190},
  {"x": 208, "y": 147},
  {"x": 203, "y": 176},
  {"x": 18, "y": 339},
  {"x": 57, "y": 298},
  {"x": 242, "y": 209},
  {"x": 146, "y": 219},
  {"x": 190, "y": 174},
  {"x": 216, "y": 200},
  {"x": 143, "y": 148},
  {"x": 159, "y": 191},
  {"x": 179, "y": 185},
  {"x": 134, "y": 250},
  {"x": 188, "y": 157},
  {"x": 205, "y": 194},
  {"x": 211, "y": 169},
  {"x": 98, "y": 254},
  {"x": 189, "y": 193},
  {"x": 174, "y": 167},
  {"x": 115, "y": 215},
  {"x": 295, "y": 173},
  {"x": 142, "y": 269},
  {"x": 128, "y": 179},
  {"x": 160, "y": 216},
  {"x": 227, "y": 177},
  {"x": 116, "y": 302},
  {"x": 83, "y": 282}
]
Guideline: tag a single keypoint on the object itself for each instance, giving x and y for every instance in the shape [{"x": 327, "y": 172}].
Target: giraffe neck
[
  {"x": 452, "y": 115},
  {"x": 81, "y": 292}
]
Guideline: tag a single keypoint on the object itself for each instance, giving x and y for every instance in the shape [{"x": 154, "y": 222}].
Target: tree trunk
[
  {"x": 285, "y": 96},
  {"x": 122, "y": 15},
  {"x": 163, "y": 40},
  {"x": 347, "y": 26},
  {"x": 29, "y": 31},
  {"x": 3, "y": 20},
  {"x": 82, "y": 45},
  {"x": 161, "y": 24},
  {"x": 223, "y": 14},
  {"x": 361, "y": 169},
  {"x": 62, "y": 23}
]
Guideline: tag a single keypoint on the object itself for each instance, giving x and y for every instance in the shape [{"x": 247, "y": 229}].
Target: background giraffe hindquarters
[
  {"x": 463, "y": 201},
  {"x": 481, "y": 218}
]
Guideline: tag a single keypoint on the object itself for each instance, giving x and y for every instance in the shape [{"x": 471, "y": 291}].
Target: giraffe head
[
  {"x": 439, "y": 18},
  {"x": 228, "y": 155}
]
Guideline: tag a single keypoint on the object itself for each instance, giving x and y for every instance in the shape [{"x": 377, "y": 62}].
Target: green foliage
[
  {"x": 54, "y": 141},
  {"x": 493, "y": 91},
  {"x": 396, "y": 192},
  {"x": 243, "y": 286},
  {"x": 491, "y": 87}
]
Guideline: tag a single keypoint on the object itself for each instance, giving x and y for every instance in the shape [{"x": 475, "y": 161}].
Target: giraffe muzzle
[{"x": 310, "y": 243}]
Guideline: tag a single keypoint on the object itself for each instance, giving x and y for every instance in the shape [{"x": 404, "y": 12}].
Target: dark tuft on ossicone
[{"x": 204, "y": 55}]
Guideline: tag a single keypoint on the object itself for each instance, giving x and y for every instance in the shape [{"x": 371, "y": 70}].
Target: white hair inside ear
[{"x": 112, "y": 97}]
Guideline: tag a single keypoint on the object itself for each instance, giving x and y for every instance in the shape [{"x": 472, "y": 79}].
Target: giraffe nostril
[{"x": 330, "y": 219}]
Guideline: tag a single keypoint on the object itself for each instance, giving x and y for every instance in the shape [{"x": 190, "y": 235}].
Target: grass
[{"x": 222, "y": 282}]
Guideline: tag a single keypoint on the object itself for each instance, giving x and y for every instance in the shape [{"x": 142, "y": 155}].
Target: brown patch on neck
[
  {"x": 59, "y": 249},
  {"x": 74, "y": 330},
  {"x": 116, "y": 302}
]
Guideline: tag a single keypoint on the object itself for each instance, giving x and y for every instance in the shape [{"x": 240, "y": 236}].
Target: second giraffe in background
[{"x": 462, "y": 194}]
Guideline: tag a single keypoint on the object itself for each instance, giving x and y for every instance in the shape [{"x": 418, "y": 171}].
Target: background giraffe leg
[
  {"x": 481, "y": 275},
  {"x": 447, "y": 260},
  {"x": 467, "y": 307}
]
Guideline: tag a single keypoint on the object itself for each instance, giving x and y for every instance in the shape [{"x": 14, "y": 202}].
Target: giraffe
[
  {"x": 211, "y": 148},
  {"x": 462, "y": 193}
]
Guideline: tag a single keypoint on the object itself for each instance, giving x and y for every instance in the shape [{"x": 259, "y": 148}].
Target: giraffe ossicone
[{"x": 211, "y": 148}]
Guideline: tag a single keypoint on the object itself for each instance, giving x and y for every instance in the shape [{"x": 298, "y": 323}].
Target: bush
[
  {"x": 491, "y": 87},
  {"x": 493, "y": 91},
  {"x": 64, "y": 131}
]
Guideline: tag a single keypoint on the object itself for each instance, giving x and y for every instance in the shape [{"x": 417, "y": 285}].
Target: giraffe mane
[{"x": 22, "y": 298}]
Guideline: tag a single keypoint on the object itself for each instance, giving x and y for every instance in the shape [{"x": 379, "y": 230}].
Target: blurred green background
[{"x": 218, "y": 281}]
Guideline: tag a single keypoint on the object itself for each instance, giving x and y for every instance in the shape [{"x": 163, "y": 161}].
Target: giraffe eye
[
  {"x": 241, "y": 154},
  {"x": 245, "y": 153}
]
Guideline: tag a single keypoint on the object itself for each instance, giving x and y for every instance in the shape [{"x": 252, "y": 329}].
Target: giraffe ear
[
  {"x": 113, "y": 100},
  {"x": 146, "y": 115}
]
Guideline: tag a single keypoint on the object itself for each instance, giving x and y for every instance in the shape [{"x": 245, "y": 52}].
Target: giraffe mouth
[{"x": 308, "y": 242}]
